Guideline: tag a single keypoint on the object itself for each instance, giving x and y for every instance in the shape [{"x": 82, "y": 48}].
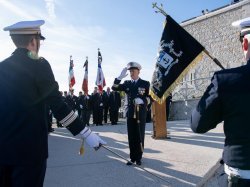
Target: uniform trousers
[
  {"x": 85, "y": 115},
  {"x": 136, "y": 133},
  {"x": 114, "y": 115},
  {"x": 22, "y": 175}
]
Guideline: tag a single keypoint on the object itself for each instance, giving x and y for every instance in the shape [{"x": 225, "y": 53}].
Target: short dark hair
[{"x": 22, "y": 40}]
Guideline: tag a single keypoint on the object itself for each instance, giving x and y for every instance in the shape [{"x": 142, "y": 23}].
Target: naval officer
[
  {"x": 23, "y": 119},
  {"x": 137, "y": 91}
]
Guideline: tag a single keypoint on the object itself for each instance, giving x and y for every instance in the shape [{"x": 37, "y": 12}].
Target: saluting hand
[{"x": 123, "y": 74}]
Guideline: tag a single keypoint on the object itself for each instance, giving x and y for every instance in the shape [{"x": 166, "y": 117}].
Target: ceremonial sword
[{"x": 105, "y": 147}]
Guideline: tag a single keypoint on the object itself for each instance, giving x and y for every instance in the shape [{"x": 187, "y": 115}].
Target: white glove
[
  {"x": 87, "y": 97},
  {"x": 138, "y": 101},
  {"x": 92, "y": 139},
  {"x": 81, "y": 106},
  {"x": 123, "y": 74}
]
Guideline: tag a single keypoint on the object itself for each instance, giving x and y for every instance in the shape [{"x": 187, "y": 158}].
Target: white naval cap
[
  {"x": 133, "y": 65},
  {"x": 244, "y": 25},
  {"x": 26, "y": 27}
]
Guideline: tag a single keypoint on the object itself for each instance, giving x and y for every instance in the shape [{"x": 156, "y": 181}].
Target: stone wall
[{"x": 214, "y": 31}]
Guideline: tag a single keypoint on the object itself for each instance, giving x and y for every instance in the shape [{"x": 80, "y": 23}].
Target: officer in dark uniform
[
  {"x": 114, "y": 105},
  {"x": 85, "y": 102},
  {"x": 106, "y": 111},
  {"x": 227, "y": 99},
  {"x": 78, "y": 107},
  {"x": 137, "y": 92},
  {"x": 94, "y": 97},
  {"x": 71, "y": 100},
  {"x": 99, "y": 107},
  {"x": 23, "y": 126}
]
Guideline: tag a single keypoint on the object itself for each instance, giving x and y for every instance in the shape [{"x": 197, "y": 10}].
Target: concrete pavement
[{"x": 182, "y": 160}]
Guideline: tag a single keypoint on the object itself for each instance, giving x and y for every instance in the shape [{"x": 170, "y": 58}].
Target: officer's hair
[{"x": 22, "y": 40}]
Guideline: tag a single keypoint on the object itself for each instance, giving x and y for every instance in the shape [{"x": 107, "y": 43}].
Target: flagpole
[
  {"x": 70, "y": 58},
  {"x": 217, "y": 62},
  {"x": 160, "y": 10}
]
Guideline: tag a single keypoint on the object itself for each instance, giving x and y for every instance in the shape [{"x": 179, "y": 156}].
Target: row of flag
[{"x": 100, "y": 79}]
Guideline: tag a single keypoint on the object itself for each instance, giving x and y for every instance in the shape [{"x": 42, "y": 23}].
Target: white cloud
[{"x": 50, "y": 5}]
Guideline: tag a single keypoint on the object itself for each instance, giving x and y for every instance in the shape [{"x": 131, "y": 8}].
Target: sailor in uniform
[{"x": 136, "y": 91}]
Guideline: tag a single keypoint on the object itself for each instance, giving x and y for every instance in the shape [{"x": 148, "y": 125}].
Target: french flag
[
  {"x": 100, "y": 80},
  {"x": 85, "y": 79},
  {"x": 71, "y": 74}
]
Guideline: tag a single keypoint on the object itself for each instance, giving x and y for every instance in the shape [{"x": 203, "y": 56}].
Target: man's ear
[{"x": 245, "y": 44}]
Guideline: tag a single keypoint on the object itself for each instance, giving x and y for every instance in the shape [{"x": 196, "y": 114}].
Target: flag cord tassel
[{"x": 105, "y": 147}]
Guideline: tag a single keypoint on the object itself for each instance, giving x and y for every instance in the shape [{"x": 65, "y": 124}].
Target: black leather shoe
[
  {"x": 129, "y": 163},
  {"x": 138, "y": 162}
]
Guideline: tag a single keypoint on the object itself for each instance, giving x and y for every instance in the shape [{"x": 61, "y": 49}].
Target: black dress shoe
[
  {"x": 129, "y": 163},
  {"x": 138, "y": 162}
]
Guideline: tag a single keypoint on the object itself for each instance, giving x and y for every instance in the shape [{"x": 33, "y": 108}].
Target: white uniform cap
[
  {"x": 133, "y": 65},
  {"x": 26, "y": 27},
  {"x": 244, "y": 25}
]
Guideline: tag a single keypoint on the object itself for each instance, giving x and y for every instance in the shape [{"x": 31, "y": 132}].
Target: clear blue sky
[{"x": 123, "y": 30}]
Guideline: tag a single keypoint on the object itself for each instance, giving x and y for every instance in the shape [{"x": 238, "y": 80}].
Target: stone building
[{"x": 214, "y": 31}]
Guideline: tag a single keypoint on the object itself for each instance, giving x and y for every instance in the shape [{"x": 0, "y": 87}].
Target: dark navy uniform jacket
[
  {"x": 86, "y": 103},
  {"x": 114, "y": 100},
  {"x": 27, "y": 85},
  {"x": 72, "y": 102},
  {"x": 227, "y": 99},
  {"x": 133, "y": 91}
]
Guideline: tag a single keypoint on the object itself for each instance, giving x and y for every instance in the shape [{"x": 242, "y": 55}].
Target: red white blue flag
[
  {"x": 100, "y": 80},
  {"x": 71, "y": 74},
  {"x": 85, "y": 79}
]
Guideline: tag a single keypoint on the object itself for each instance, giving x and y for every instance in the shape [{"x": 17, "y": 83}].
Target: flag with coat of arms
[{"x": 178, "y": 53}]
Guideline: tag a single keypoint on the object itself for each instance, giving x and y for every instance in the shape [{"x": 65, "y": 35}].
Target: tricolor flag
[
  {"x": 85, "y": 79},
  {"x": 100, "y": 80},
  {"x": 71, "y": 73},
  {"x": 178, "y": 53}
]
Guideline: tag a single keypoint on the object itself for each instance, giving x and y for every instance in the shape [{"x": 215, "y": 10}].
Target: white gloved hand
[
  {"x": 87, "y": 97},
  {"x": 138, "y": 101},
  {"x": 81, "y": 106},
  {"x": 123, "y": 74},
  {"x": 92, "y": 139}
]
